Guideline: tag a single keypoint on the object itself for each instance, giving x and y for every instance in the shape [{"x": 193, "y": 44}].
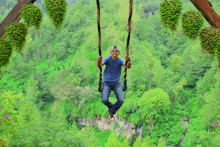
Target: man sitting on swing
[{"x": 111, "y": 76}]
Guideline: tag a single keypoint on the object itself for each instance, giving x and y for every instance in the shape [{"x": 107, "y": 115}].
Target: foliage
[
  {"x": 32, "y": 90},
  {"x": 123, "y": 14},
  {"x": 102, "y": 136},
  {"x": 160, "y": 142},
  {"x": 137, "y": 142},
  {"x": 5, "y": 52},
  {"x": 60, "y": 64},
  {"x": 147, "y": 142},
  {"x": 3, "y": 142},
  {"x": 210, "y": 40},
  {"x": 170, "y": 12},
  {"x": 125, "y": 143},
  {"x": 16, "y": 32},
  {"x": 153, "y": 103},
  {"x": 32, "y": 15},
  {"x": 113, "y": 140},
  {"x": 192, "y": 21},
  {"x": 56, "y": 10},
  {"x": 175, "y": 136}
]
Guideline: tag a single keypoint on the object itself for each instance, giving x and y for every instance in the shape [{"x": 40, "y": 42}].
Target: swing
[{"x": 127, "y": 50}]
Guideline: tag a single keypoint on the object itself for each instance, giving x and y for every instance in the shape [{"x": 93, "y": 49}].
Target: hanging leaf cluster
[
  {"x": 192, "y": 22},
  {"x": 5, "y": 52},
  {"x": 210, "y": 40},
  {"x": 16, "y": 32},
  {"x": 32, "y": 15},
  {"x": 170, "y": 11},
  {"x": 56, "y": 10}
]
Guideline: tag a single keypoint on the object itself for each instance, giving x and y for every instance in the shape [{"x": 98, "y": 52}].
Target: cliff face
[{"x": 121, "y": 128}]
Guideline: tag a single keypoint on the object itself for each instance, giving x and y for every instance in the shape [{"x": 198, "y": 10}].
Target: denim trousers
[{"x": 118, "y": 89}]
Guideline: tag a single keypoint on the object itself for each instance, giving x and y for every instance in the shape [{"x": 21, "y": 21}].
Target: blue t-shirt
[{"x": 112, "y": 69}]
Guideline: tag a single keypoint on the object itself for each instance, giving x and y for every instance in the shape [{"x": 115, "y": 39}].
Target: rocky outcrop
[
  {"x": 108, "y": 123},
  {"x": 123, "y": 127}
]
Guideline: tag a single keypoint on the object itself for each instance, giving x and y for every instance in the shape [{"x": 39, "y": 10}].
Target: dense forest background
[{"x": 55, "y": 80}]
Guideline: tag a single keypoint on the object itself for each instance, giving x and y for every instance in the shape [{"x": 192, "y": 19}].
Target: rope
[
  {"x": 99, "y": 36},
  {"x": 128, "y": 40},
  {"x": 127, "y": 48}
]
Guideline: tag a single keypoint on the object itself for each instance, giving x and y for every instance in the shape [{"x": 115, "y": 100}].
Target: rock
[{"x": 105, "y": 123}]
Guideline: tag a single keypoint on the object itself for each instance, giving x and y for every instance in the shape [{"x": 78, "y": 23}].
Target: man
[{"x": 112, "y": 75}]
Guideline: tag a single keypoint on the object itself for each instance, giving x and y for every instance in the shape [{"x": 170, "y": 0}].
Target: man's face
[{"x": 114, "y": 53}]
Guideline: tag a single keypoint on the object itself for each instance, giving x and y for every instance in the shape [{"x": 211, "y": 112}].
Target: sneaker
[{"x": 110, "y": 114}]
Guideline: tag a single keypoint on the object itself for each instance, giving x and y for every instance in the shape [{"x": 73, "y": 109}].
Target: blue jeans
[{"x": 117, "y": 88}]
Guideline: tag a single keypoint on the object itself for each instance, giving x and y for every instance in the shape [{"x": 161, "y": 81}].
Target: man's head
[{"x": 114, "y": 52}]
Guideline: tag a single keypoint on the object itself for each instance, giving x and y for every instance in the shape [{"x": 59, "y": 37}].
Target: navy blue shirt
[{"x": 112, "y": 69}]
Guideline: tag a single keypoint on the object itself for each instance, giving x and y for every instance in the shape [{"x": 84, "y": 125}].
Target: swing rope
[{"x": 127, "y": 49}]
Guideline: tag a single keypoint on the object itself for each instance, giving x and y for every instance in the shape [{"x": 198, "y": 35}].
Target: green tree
[
  {"x": 32, "y": 90},
  {"x": 112, "y": 140},
  {"x": 137, "y": 142},
  {"x": 56, "y": 124},
  {"x": 153, "y": 103},
  {"x": 207, "y": 82},
  {"x": 141, "y": 55},
  {"x": 147, "y": 142},
  {"x": 125, "y": 143},
  {"x": 47, "y": 32},
  {"x": 29, "y": 127},
  {"x": 37, "y": 50},
  {"x": 195, "y": 64},
  {"x": 175, "y": 63},
  {"x": 88, "y": 135},
  {"x": 179, "y": 86},
  {"x": 159, "y": 74},
  {"x": 123, "y": 14},
  {"x": 9, "y": 101},
  {"x": 160, "y": 142},
  {"x": 211, "y": 110}
]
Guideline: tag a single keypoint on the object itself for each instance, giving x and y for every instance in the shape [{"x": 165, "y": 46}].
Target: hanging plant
[
  {"x": 56, "y": 10},
  {"x": 192, "y": 22},
  {"x": 210, "y": 40},
  {"x": 218, "y": 57},
  {"x": 32, "y": 15},
  {"x": 16, "y": 32},
  {"x": 169, "y": 13},
  {"x": 5, "y": 52}
]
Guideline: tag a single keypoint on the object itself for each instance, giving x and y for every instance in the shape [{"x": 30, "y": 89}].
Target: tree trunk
[
  {"x": 151, "y": 121},
  {"x": 38, "y": 56},
  {"x": 82, "y": 101},
  {"x": 149, "y": 86}
]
